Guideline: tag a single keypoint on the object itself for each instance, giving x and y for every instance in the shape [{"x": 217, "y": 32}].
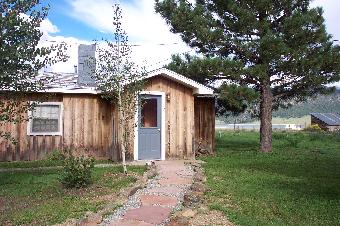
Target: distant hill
[
  {"x": 321, "y": 104},
  {"x": 298, "y": 112}
]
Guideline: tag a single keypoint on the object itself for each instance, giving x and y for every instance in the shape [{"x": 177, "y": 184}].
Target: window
[
  {"x": 46, "y": 119},
  {"x": 149, "y": 113}
]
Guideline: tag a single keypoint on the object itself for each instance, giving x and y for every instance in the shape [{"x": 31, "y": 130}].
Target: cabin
[
  {"x": 176, "y": 120},
  {"x": 326, "y": 121}
]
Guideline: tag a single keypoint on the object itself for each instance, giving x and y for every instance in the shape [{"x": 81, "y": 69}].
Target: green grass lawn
[
  {"x": 297, "y": 184},
  {"x": 37, "y": 198},
  {"x": 47, "y": 162}
]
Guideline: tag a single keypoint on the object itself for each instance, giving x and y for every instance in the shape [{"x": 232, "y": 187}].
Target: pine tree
[
  {"x": 280, "y": 48},
  {"x": 232, "y": 99}
]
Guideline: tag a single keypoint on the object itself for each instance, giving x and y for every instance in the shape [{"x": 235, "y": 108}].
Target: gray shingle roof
[
  {"x": 59, "y": 80},
  {"x": 64, "y": 83},
  {"x": 67, "y": 82},
  {"x": 332, "y": 119}
]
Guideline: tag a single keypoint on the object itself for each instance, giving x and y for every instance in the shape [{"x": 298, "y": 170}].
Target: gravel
[{"x": 134, "y": 200}]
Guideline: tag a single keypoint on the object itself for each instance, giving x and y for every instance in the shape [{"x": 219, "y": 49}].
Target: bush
[
  {"x": 77, "y": 171},
  {"x": 313, "y": 128},
  {"x": 56, "y": 155}
]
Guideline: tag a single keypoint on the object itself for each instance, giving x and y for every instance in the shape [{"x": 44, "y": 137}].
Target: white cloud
[
  {"x": 71, "y": 52},
  {"x": 146, "y": 28},
  {"x": 139, "y": 20},
  {"x": 48, "y": 38},
  {"x": 332, "y": 15},
  {"x": 47, "y": 27},
  {"x": 143, "y": 26}
]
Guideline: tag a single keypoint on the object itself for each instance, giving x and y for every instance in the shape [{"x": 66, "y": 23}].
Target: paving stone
[
  {"x": 154, "y": 204},
  {"x": 158, "y": 200},
  {"x": 171, "y": 168},
  {"x": 172, "y": 190},
  {"x": 148, "y": 214},
  {"x": 185, "y": 174},
  {"x": 130, "y": 223},
  {"x": 169, "y": 174},
  {"x": 175, "y": 181}
]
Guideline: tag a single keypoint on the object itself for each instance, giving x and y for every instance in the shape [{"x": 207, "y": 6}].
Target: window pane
[
  {"x": 149, "y": 113},
  {"x": 46, "y": 118},
  {"x": 47, "y": 111}
]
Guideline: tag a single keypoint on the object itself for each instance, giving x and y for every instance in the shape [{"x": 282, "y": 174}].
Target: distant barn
[{"x": 326, "y": 121}]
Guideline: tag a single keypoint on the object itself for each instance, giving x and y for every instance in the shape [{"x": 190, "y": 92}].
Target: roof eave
[{"x": 197, "y": 87}]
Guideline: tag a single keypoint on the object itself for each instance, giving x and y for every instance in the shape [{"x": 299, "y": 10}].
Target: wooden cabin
[{"x": 177, "y": 119}]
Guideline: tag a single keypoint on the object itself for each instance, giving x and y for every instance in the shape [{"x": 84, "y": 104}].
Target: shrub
[
  {"x": 56, "y": 155},
  {"x": 313, "y": 128},
  {"x": 77, "y": 171}
]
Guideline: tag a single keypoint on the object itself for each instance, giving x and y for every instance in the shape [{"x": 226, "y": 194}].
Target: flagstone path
[{"x": 154, "y": 204}]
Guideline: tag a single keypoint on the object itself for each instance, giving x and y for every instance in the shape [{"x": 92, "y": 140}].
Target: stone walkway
[{"x": 154, "y": 204}]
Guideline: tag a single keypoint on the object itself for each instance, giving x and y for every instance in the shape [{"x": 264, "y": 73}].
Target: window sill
[{"x": 45, "y": 134}]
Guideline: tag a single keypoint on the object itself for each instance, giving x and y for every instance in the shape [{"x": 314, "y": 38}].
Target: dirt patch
[
  {"x": 2, "y": 204},
  {"x": 210, "y": 218}
]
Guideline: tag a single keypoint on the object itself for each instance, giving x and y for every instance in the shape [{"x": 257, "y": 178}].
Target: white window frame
[{"x": 30, "y": 115}]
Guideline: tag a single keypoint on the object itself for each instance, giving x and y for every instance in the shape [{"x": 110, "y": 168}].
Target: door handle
[{"x": 159, "y": 130}]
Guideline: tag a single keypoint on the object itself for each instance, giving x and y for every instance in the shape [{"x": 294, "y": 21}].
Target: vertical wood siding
[
  {"x": 87, "y": 128},
  {"x": 204, "y": 124},
  {"x": 179, "y": 116},
  {"x": 90, "y": 125}
]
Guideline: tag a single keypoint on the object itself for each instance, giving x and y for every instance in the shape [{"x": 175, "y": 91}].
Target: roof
[
  {"x": 331, "y": 119},
  {"x": 197, "y": 87},
  {"x": 67, "y": 82}
]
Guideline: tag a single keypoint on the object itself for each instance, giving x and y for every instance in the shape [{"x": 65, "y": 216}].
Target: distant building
[{"x": 326, "y": 121}]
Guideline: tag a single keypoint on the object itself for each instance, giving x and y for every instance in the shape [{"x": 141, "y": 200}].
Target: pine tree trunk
[{"x": 266, "y": 118}]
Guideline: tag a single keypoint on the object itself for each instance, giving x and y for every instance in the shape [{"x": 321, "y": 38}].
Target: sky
[{"x": 83, "y": 21}]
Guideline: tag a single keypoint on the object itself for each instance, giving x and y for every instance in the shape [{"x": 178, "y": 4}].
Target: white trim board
[
  {"x": 135, "y": 151},
  {"x": 61, "y": 119},
  {"x": 197, "y": 87}
]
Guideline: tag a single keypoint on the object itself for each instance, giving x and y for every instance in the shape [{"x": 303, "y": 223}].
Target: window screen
[{"x": 45, "y": 118}]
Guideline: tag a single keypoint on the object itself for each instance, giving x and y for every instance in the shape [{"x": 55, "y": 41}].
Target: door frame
[{"x": 135, "y": 151}]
